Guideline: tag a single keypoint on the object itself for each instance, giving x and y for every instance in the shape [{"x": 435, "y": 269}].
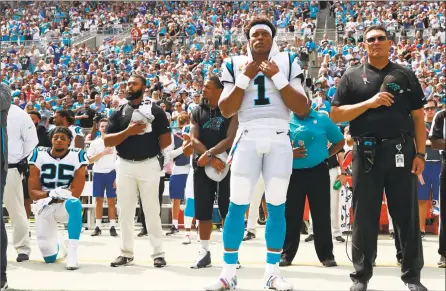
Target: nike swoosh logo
[
  {"x": 280, "y": 132},
  {"x": 30, "y": 127}
]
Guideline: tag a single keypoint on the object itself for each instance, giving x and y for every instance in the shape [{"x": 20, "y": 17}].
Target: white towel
[{"x": 274, "y": 51}]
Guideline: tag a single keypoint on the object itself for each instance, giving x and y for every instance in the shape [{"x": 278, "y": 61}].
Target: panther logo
[
  {"x": 214, "y": 123},
  {"x": 394, "y": 87}
]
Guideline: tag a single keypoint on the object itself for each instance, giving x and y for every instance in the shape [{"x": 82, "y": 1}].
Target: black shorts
[{"x": 205, "y": 191}]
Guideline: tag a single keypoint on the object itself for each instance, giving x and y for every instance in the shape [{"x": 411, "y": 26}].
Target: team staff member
[
  {"x": 22, "y": 140},
  {"x": 437, "y": 137},
  {"x": 104, "y": 179},
  {"x": 5, "y": 104},
  {"x": 431, "y": 174},
  {"x": 211, "y": 135},
  {"x": 310, "y": 134},
  {"x": 384, "y": 104},
  {"x": 138, "y": 169},
  {"x": 336, "y": 175}
]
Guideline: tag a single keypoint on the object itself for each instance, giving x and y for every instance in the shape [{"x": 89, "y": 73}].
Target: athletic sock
[
  {"x": 98, "y": 223},
  {"x": 112, "y": 222},
  {"x": 188, "y": 222},
  {"x": 175, "y": 223},
  {"x": 205, "y": 244}
]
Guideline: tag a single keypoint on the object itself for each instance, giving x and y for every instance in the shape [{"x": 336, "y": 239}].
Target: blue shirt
[{"x": 314, "y": 132}]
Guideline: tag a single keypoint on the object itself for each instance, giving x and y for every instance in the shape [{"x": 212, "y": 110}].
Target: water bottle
[{"x": 337, "y": 185}]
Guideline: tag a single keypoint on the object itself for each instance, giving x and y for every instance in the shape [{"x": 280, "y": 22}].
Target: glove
[{"x": 60, "y": 194}]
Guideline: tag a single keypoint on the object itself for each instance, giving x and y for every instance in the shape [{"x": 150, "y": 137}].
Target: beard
[
  {"x": 59, "y": 150},
  {"x": 134, "y": 95}
]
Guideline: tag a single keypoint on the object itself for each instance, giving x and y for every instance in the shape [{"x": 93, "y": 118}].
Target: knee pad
[
  {"x": 189, "y": 211},
  {"x": 234, "y": 226},
  {"x": 241, "y": 190},
  {"x": 276, "y": 189},
  {"x": 50, "y": 259},
  {"x": 48, "y": 250},
  {"x": 275, "y": 226}
]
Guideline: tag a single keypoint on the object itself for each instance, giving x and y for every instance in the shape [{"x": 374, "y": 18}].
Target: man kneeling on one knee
[{"x": 57, "y": 179}]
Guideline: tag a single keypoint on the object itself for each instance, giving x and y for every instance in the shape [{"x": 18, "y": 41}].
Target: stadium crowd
[{"x": 177, "y": 45}]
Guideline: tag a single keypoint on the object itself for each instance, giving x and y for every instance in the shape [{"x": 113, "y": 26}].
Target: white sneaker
[
  {"x": 198, "y": 236},
  {"x": 203, "y": 260},
  {"x": 186, "y": 239},
  {"x": 276, "y": 282},
  {"x": 222, "y": 284}
]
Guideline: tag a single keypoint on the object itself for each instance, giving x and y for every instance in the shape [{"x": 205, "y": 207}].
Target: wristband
[
  {"x": 421, "y": 156},
  {"x": 280, "y": 81},
  {"x": 242, "y": 81}
]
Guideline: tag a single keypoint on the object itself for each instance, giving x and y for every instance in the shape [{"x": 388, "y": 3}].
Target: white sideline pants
[
  {"x": 133, "y": 179},
  {"x": 13, "y": 200}
]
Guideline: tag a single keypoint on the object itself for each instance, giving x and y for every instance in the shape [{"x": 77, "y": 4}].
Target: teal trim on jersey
[
  {"x": 82, "y": 156},
  {"x": 77, "y": 129},
  {"x": 230, "y": 67},
  {"x": 34, "y": 156}
]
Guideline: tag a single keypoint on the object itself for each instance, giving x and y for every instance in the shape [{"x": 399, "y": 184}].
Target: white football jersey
[
  {"x": 57, "y": 172},
  {"x": 262, "y": 99},
  {"x": 75, "y": 130}
]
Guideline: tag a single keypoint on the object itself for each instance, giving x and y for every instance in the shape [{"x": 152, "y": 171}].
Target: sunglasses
[
  {"x": 429, "y": 108},
  {"x": 374, "y": 38}
]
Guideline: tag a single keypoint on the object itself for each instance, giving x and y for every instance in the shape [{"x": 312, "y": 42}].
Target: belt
[
  {"x": 137, "y": 160},
  {"x": 392, "y": 140},
  {"x": 13, "y": 166}
]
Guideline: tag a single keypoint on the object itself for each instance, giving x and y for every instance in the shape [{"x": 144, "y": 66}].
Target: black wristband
[{"x": 421, "y": 155}]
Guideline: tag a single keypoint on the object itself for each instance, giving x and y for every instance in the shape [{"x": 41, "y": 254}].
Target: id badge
[{"x": 399, "y": 160}]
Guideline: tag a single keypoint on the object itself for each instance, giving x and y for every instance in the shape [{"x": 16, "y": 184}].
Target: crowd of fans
[{"x": 176, "y": 45}]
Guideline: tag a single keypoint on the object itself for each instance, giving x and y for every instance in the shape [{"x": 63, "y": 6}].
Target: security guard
[
  {"x": 139, "y": 130},
  {"x": 310, "y": 134},
  {"x": 384, "y": 104},
  {"x": 5, "y": 104},
  {"x": 437, "y": 136}
]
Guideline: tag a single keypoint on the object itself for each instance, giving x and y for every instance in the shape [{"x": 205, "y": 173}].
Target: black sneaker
[
  {"x": 358, "y": 286},
  {"x": 339, "y": 239},
  {"x": 173, "y": 230},
  {"x": 203, "y": 260},
  {"x": 423, "y": 234},
  {"x": 142, "y": 233},
  {"x": 442, "y": 262},
  {"x": 3, "y": 284},
  {"x": 249, "y": 236},
  {"x": 113, "y": 231},
  {"x": 122, "y": 261},
  {"x": 22, "y": 258},
  {"x": 392, "y": 235},
  {"x": 159, "y": 262},
  {"x": 284, "y": 262},
  {"x": 416, "y": 286},
  {"x": 309, "y": 238},
  {"x": 97, "y": 231},
  {"x": 238, "y": 265},
  {"x": 329, "y": 263}
]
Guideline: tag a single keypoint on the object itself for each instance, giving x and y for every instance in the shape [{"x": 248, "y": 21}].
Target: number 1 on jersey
[{"x": 261, "y": 98}]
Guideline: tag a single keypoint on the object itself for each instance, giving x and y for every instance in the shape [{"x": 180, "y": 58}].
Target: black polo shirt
[
  {"x": 138, "y": 147},
  {"x": 382, "y": 122},
  {"x": 212, "y": 126}
]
